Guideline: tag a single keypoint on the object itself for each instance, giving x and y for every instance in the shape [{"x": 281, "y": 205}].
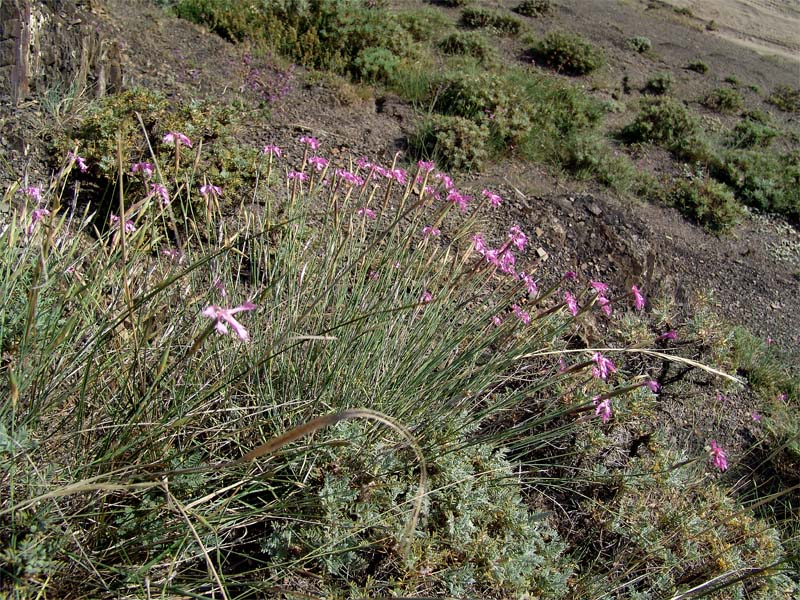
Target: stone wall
[{"x": 49, "y": 43}]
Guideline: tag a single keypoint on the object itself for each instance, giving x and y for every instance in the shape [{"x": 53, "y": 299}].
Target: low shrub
[
  {"x": 786, "y": 99},
  {"x": 639, "y": 44},
  {"x": 466, "y": 43},
  {"x": 453, "y": 142},
  {"x": 732, "y": 79},
  {"x": 698, "y": 66},
  {"x": 750, "y": 133},
  {"x": 658, "y": 84},
  {"x": 667, "y": 122},
  {"x": 534, "y": 8},
  {"x": 423, "y": 23},
  {"x": 568, "y": 53},
  {"x": 375, "y": 65},
  {"x": 707, "y": 202},
  {"x": 724, "y": 100},
  {"x": 492, "y": 19}
]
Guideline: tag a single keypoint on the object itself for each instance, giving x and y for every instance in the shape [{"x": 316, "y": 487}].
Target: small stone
[
  {"x": 539, "y": 232},
  {"x": 594, "y": 209},
  {"x": 542, "y": 253}
]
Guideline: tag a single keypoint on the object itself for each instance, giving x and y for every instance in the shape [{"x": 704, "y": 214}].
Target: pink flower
[
  {"x": 652, "y": 385},
  {"x": 311, "y": 142},
  {"x": 571, "y": 303},
  {"x": 210, "y": 190},
  {"x": 426, "y": 166},
  {"x": 37, "y": 215},
  {"x": 605, "y": 304},
  {"x": 224, "y": 317},
  {"x": 507, "y": 262},
  {"x": 157, "y": 188},
  {"x": 497, "y": 321},
  {"x": 366, "y": 212},
  {"x": 570, "y": 275},
  {"x": 430, "y": 231},
  {"x": 638, "y": 299},
  {"x": 272, "y": 149},
  {"x": 600, "y": 287},
  {"x": 755, "y": 416},
  {"x": 530, "y": 284},
  {"x": 562, "y": 365},
  {"x": 479, "y": 243},
  {"x": 431, "y": 192},
  {"x": 517, "y": 238},
  {"x": 33, "y": 192},
  {"x": 521, "y": 314},
  {"x": 770, "y": 341},
  {"x": 172, "y": 254},
  {"x": 602, "y": 409},
  {"x": 176, "y": 138},
  {"x": 145, "y": 168},
  {"x": 603, "y": 366},
  {"x": 426, "y": 297},
  {"x": 460, "y": 200},
  {"x": 78, "y": 159},
  {"x": 448, "y": 183},
  {"x": 297, "y": 175},
  {"x": 349, "y": 177},
  {"x": 318, "y": 162},
  {"x": 493, "y": 198},
  {"x": 669, "y": 335},
  {"x": 399, "y": 175},
  {"x": 218, "y": 284},
  {"x": 363, "y": 163},
  {"x": 718, "y": 457},
  {"x": 783, "y": 397},
  {"x": 129, "y": 226}
]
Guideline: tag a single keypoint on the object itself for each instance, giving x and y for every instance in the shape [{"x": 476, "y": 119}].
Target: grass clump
[
  {"x": 534, "y": 8},
  {"x": 467, "y": 43},
  {"x": 751, "y": 133},
  {"x": 492, "y": 19},
  {"x": 639, "y": 43},
  {"x": 668, "y": 123},
  {"x": 786, "y": 99},
  {"x": 698, "y": 66},
  {"x": 658, "y": 84},
  {"x": 568, "y": 53},
  {"x": 707, "y": 202},
  {"x": 724, "y": 100}
]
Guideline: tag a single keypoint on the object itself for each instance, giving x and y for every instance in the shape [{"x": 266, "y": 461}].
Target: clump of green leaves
[
  {"x": 751, "y": 133},
  {"x": 568, "y": 53},
  {"x": 467, "y": 43},
  {"x": 658, "y": 84},
  {"x": 667, "y": 122},
  {"x": 534, "y": 8},
  {"x": 707, "y": 202},
  {"x": 639, "y": 43},
  {"x": 724, "y": 100},
  {"x": 785, "y": 98},
  {"x": 492, "y": 19},
  {"x": 452, "y": 141},
  {"x": 698, "y": 66}
]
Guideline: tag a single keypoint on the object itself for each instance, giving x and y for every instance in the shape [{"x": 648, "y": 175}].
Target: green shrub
[
  {"x": 750, "y": 133},
  {"x": 495, "y": 20},
  {"x": 698, "y": 66},
  {"x": 569, "y": 53},
  {"x": 732, "y": 79},
  {"x": 422, "y": 23},
  {"x": 658, "y": 84},
  {"x": 375, "y": 65},
  {"x": 724, "y": 100},
  {"x": 323, "y": 34},
  {"x": 453, "y": 142},
  {"x": 708, "y": 202},
  {"x": 466, "y": 43},
  {"x": 534, "y": 8},
  {"x": 639, "y": 44},
  {"x": 763, "y": 180},
  {"x": 786, "y": 99},
  {"x": 667, "y": 122}
]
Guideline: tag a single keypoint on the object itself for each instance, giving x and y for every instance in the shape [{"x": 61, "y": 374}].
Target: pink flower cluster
[
  {"x": 177, "y": 138},
  {"x": 223, "y": 317}
]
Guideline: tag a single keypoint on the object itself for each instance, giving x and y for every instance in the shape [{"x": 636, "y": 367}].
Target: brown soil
[{"x": 752, "y": 272}]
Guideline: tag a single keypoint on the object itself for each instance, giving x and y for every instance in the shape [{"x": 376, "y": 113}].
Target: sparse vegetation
[
  {"x": 667, "y": 122},
  {"x": 724, "y": 100},
  {"x": 535, "y": 8},
  {"x": 467, "y": 43},
  {"x": 639, "y": 43},
  {"x": 496, "y": 20},
  {"x": 698, "y": 66},
  {"x": 786, "y": 99},
  {"x": 568, "y": 53},
  {"x": 658, "y": 84},
  {"x": 708, "y": 202}
]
